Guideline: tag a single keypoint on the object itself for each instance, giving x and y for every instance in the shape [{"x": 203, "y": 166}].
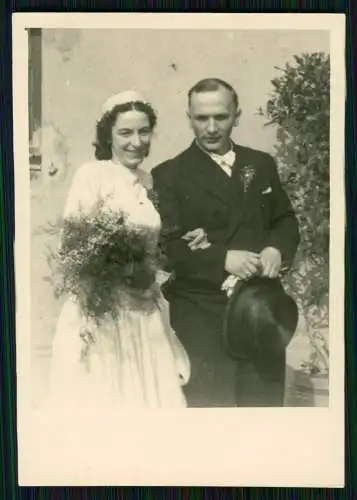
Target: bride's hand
[{"x": 197, "y": 239}]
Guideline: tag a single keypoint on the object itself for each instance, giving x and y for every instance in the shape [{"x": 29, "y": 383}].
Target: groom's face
[{"x": 212, "y": 115}]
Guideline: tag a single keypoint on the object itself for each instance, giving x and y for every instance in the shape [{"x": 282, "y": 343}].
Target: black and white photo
[{"x": 182, "y": 196}]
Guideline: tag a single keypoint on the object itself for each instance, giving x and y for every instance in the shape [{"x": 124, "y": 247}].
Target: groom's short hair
[{"x": 211, "y": 85}]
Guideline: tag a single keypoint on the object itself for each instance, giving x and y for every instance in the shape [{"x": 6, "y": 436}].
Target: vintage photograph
[
  {"x": 217, "y": 151},
  {"x": 180, "y": 237}
]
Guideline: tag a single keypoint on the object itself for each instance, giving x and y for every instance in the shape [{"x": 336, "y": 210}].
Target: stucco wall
[{"x": 81, "y": 68}]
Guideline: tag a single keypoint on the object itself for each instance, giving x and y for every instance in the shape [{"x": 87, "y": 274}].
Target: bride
[{"x": 134, "y": 359}]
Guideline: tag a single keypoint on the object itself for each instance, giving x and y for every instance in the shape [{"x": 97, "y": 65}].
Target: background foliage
[{"x": 299, "y": 108}]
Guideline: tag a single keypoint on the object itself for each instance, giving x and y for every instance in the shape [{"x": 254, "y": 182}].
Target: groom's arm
[
  {"x": 284, "y": 230},
  {"x": 206, "y": 266}
]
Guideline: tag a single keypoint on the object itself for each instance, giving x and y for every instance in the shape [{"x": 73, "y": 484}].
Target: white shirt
[{"x": 225, "y": 162}]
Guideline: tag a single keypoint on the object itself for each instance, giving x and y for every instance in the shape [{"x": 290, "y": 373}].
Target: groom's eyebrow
[
  {"x": 124, "y": 130},
  {"x": 203, "y": 116}
]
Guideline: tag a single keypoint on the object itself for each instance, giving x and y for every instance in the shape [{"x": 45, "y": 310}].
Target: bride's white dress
[{"x": 136, "y": 361}]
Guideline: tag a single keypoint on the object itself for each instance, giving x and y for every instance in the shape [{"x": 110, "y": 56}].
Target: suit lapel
[
  {"x": 208, "y": 175},
  {"x": 239, "y": 199},
  {"x": 229, "y": 190}
]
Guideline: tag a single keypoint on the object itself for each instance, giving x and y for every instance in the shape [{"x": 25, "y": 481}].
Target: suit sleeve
[
  {"x": 201, "y": 266},
  {"x": 284, "y": 229}
]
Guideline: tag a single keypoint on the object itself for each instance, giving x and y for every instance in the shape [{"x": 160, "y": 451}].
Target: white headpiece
[{"x": 122, "y": 98}]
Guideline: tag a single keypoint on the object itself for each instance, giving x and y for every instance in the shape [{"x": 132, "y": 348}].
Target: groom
[{"x": 224, "y": 212}]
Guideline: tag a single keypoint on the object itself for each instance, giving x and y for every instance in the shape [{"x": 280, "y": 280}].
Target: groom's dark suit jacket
[{"x": 194, "y": 192}]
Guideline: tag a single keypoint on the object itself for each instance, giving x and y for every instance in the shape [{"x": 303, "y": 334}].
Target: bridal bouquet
[{"x": 100, "y": 255}]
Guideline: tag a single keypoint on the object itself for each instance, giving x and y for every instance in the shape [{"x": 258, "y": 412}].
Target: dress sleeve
[
  {"x": 83, "y": 191},
  {"x": 182, "y": 361}
]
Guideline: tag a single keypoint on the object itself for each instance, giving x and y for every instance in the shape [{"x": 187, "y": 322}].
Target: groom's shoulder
[
  {"x": 255, "y": 154},
  {"x": 261, "y": 160}
]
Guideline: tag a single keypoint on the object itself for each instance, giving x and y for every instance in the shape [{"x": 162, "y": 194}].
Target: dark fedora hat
[{"x": 261, "y": 318}]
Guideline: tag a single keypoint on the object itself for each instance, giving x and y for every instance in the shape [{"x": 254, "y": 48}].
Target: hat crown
[{"x": 124, "y": 97}]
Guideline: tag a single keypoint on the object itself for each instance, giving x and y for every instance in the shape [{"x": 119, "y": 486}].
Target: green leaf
[{"x": 299, "y": 106}]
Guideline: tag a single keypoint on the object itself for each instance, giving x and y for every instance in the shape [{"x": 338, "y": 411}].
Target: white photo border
[{"x": 224, "y": 447}]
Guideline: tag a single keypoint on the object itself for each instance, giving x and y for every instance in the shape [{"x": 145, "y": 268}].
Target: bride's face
[{"x": 131, "y": 138}]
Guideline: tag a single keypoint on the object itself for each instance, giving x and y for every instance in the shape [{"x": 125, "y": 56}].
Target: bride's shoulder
[
  {"x": 90, "y": 167},
  {"x": 88, "y": 171}
]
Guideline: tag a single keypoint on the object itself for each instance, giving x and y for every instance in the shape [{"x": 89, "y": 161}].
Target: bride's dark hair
[
  {"x": 261, "y": 319},
  {"x": 103, "y": 142}
]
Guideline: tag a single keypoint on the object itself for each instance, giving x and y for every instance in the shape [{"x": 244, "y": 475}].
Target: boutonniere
[{"x": 247, "y": 175}]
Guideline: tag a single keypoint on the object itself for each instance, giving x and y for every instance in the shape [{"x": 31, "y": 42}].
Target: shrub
[{"x": 299, "y": 108}]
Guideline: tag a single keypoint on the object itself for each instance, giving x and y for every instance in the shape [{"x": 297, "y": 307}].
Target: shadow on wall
[
  {"x": 54, "y": 152},
  {"x": 299, "y": 391},
  {"x": 48, "y": 155},
  {"x": 62, "y": 40}
]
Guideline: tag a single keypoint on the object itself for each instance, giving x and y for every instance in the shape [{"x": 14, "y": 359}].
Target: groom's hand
[
  {"x": 271, "y": 262},
  {"x": 197, "y": 239},
  {"x": 242, "y": 263}
]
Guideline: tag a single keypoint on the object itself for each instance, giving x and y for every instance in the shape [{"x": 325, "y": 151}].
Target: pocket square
[{"x": 267, "y": 190}]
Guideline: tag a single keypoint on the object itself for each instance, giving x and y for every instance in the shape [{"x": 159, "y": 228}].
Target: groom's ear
[
  {"x": 189, "y": 117},
  {"x": 237, "y": 117}
]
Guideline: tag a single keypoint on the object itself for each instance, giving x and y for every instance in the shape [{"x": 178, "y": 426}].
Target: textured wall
[{"x": 81, "y": 68}]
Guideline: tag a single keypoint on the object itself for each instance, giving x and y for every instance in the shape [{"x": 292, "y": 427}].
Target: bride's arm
[
  {"x": 82, "y": 193},
  {"x": 162, "y": 277}
]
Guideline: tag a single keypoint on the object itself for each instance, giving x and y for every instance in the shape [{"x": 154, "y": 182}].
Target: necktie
[{"x": 226, "y": 161}]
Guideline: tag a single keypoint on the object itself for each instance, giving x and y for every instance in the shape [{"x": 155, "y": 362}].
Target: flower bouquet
[{"x": 101, "y": 260}]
